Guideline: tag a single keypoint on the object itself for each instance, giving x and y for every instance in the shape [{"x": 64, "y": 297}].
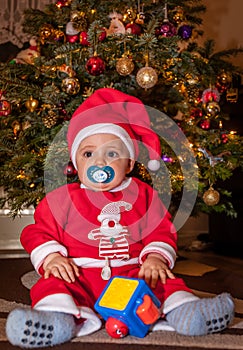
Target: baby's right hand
[{"x": 60, "y": 267}]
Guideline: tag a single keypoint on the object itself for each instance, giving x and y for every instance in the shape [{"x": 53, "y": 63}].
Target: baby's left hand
[{"x": 153, "y": 268}]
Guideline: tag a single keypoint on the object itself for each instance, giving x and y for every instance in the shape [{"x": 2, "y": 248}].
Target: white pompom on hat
[{"x": 111, "y": 111}]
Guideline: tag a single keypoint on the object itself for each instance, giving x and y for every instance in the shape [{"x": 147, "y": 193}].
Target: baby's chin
[{"x": 102, "y": 187}]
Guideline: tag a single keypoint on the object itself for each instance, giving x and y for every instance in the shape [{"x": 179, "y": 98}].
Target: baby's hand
[
  {"x": 60, "y": 267},
  {"x": 153, "y": 268}
]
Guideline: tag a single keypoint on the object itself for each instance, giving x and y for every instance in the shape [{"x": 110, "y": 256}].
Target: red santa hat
[{"x": 111, "y": 111}]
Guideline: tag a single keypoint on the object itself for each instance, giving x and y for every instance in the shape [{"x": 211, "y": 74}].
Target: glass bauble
[
  {"x": 212, "y": 109},
  {"x": 70, "y": 85},
  {"x": 185, "y": 31},
  {"x": 167, "y": 29},
  {"x": 147, "y": 77},
  {"x": 5, "y": 108},
  {"x": 211, "y": 197},
  {"x": 124, "y": 66},
  {"x": 95, "y": 65}
]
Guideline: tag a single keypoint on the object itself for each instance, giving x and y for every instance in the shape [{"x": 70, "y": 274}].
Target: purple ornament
[
  {"x": 185, "y": 31},
  {"x": 167, "y": 159},
  {"x": 167, "y": 29}
]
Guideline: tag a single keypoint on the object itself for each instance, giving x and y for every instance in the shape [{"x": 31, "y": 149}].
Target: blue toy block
[{"x": 131, "y": 301}]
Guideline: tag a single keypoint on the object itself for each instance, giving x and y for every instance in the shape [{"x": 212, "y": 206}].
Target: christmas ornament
[
  {"x": 224, "y": 138},
  {"x": 63, "y": 3},
  {"x": 124, "y": 66},
  {"x": 205, "y": 124},
  {"x": 130, "y": 15},
  {"x": 133, "y": 28},
  {"x": 146, "y": 77},
  {"x": 140, "y": 18},
  {"x": 185, "y": 31},
  {"x": 232, "y": 95},
  {"x": 95, "y": 65},
  {"x": 58, "y": 35},
  {"x": 31, "y": 104},
  {"x": 69, "y": 170},
  {"x": 196, "y": 113},
  {"x": 210, "y": 95},
  {"x": 211, "y": 197},
  {"x": 78, "y": 19},
  {"x": 116, "y": 25},
  {"x": 46, "y": 32},
  {"x": 50, "y": 119},
  {"x": 212, "y": 109},
  {"x": 224, "y": 79},
  {"x": 72, "y": 34},
  {"x": 167, "y": 29},
  {"x": 178, "y": 15},
  {"x": 70, "y": 85},
  {"x": 16, "y": 128},
  {"x": 28, "y": 55},
  {"x": 83, "y": 39},
  {"x": 5, "y": 108}
]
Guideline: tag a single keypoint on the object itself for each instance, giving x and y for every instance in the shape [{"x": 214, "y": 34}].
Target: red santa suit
[{"x": 106, "y": 234}]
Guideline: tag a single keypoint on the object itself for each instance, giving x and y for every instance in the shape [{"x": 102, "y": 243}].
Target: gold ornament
[
  {"x": 178, "y": 15},
  {"x": 212, "y": 109},
  {"x": 211, "y": 196},
  {"x": 50, "y": 119},
  {"x": 232, "y": 95},
  {"x": 79, "y": 21},
  {"x": 31, "y": 104},
  {"x": 46, "y": 32},
  {"x": 71, "y": 85},
  {"x": 225, "y": 78},
  {"x": 147, "y": 77},
  {"x": 16, "y": 128},
  {"x": 124, "y": 66}
]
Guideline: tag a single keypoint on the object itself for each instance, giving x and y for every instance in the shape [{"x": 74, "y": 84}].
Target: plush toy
[{"x": 28, "y": 55}]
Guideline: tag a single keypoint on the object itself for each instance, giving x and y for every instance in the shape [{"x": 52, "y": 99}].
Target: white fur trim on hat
[{"x": 102, "y": 128}]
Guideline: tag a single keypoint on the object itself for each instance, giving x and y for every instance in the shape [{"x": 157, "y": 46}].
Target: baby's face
[{"x": 99, "y": 151}]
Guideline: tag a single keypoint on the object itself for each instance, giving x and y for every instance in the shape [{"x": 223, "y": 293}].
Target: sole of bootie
[{"x": 30, "y": 328}]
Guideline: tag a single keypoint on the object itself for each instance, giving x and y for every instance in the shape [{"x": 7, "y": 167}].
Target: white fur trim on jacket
[
  {"x": 39, "y": 254},
  {"x": 161, "y": 248}
]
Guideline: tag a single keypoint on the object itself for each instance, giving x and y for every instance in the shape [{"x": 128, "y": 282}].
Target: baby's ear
[{"x": 130, "y": 167}]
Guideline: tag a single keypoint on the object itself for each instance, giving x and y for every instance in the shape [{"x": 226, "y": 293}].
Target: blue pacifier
[{"x": 100, "y": 174}]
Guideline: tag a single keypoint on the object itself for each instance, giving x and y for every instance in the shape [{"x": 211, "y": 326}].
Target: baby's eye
[
  {"x": 113, "y": 154},
  {"x": 88, "y": 154}
]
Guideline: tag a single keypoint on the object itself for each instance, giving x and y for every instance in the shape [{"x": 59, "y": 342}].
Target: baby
[{"x": 107, "y": 225}]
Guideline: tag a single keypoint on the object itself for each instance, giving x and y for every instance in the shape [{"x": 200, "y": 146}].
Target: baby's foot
[
  {"x": 202, "y": 316},
  {"x": 29, "y": 328}
]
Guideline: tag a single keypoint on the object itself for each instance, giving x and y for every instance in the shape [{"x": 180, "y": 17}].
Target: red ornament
[
  {"x": 224, "y": 138},
  {"x": 133, "y": 28},
  {"x": 5, "y": 108},
  {"x": 69, "y": 170},
  {"x": 167, "y": 29},
  {"x": 72, "y": 38},
  {"x": 116, "y": 328},
  {"x": 102, "y": 35},
  {"x": 63, "y": 3},
  {"x": 95, "y": 65},
  {"x": 196, "y": 113},
  {"x": 205, "y": 124},
  {"x": 210, "y": 95},
  {"x": 83, "y": 39}
]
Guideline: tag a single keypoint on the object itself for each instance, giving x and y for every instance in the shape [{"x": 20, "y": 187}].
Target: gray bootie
[
  {"x": 29, "y": 328},
  {"x": 202, "y": 316}
]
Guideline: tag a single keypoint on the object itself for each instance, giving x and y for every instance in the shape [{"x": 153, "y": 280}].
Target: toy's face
[{"x": 116, "y": 328}]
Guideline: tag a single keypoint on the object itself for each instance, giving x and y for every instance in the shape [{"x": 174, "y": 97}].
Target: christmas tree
[{"x": 149, "y": 50}]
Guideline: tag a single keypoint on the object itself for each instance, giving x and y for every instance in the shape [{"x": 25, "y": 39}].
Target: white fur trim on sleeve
[
  {"x": 39, "y": 254},
  {"x": 161, "y": 248}
]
